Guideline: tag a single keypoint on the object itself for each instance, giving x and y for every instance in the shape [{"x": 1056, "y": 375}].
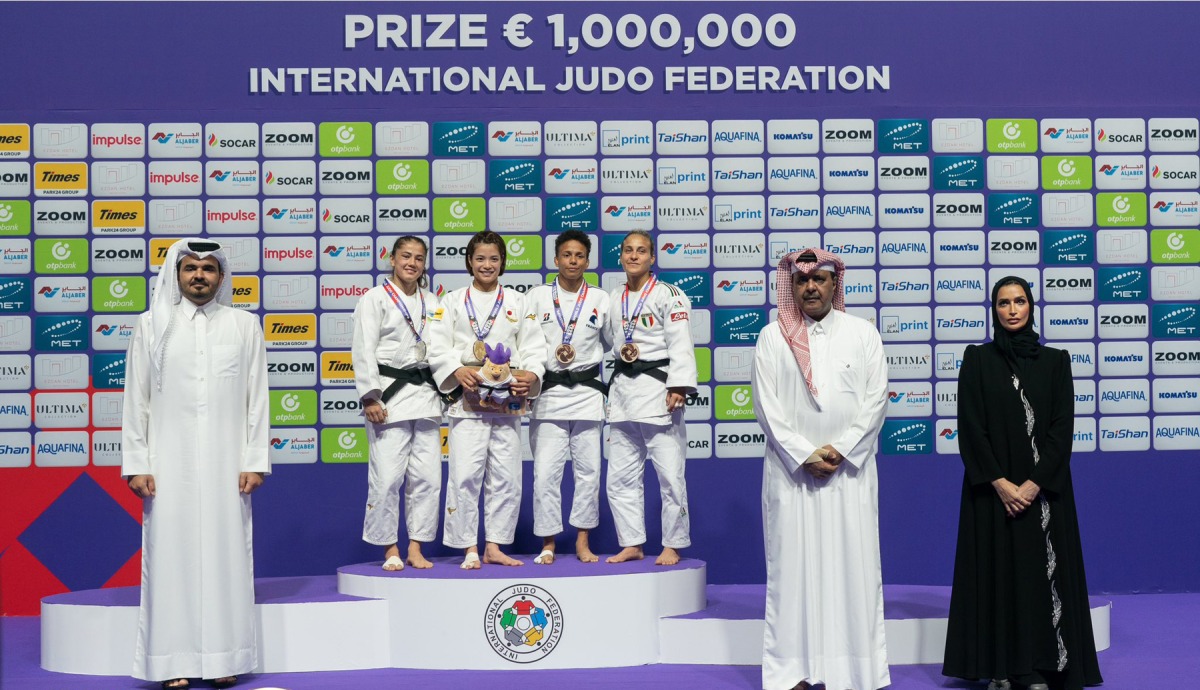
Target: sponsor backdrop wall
[{"x": 934, "y": 147}]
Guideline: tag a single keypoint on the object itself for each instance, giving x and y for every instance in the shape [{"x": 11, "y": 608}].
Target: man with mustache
[{"x": 194, "y": 443}]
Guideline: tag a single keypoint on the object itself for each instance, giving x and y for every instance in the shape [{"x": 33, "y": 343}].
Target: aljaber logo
[
  {"x": 958, "y": 173},
  {"x": 1123, "y": 283},
  {"x": 108, "y": 370},
  {"x": 459, "y": 138},
  {"x": 738, "y": 326},
  {"x": 515, "y": 176},
  {"x": 1013, "y": 211},
  {"x": 907, "y": 437},
  {"x": 60, "y": 333},
  {"x": 572, "y": 213},
  {"x": 950, "y": 434},
  {"x": 1176, "y": 320},
  {"x": 697, "y": 286},
  {"x": 16, "y": 294},
  {"x": 903, "y": 136}
]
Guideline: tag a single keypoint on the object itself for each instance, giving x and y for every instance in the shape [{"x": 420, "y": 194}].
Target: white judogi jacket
[
  {"x": 662, "y": 332},
  {"x": 452, "y": 339},
  {"x": 209, "y": 423},
  {"x": 565, "y": 402},
  {"x": 824, "y": 621},
  {"x": 382, "y": 336}
]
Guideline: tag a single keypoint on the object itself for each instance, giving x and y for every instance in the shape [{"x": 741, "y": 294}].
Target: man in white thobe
[
  {"x": 820, "y": 391},
  {"x": 194, "y": 446}
]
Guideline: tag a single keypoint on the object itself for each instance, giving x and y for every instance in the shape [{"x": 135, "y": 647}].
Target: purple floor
[{"x": 1155, "y": 638}]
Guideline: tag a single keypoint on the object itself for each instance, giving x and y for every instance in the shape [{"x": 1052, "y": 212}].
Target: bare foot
[
  {"x": 668, "y": 556},
  {"x": 629, "y": 553},
  {"x": 391, "y": 559},
  {"x": 415, "y": 558},
  {"x": 582, "y": 550},
  {"x": 492, "y": 555},
  {"x": 471, "y": 559},
  {"x": 546, "y": 557},
  {"x": 802, "y": 685}
]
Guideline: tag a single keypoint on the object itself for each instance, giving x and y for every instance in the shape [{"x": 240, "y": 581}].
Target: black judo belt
[
  {"x": 403, "y": 377},
  {"x": 589, "y": 377},
  {"x": 650, "y": 367}
]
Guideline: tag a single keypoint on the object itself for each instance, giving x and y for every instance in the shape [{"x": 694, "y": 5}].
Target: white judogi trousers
[
  {"x": 629, "y": 443},
  {"x": 555, "y": 441},
  {"x": 485, "y": 455},
  {"x": 407, "y": 453}
]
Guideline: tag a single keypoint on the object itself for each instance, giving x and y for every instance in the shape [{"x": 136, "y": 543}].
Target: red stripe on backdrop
[{"x": 24, "y": 581}]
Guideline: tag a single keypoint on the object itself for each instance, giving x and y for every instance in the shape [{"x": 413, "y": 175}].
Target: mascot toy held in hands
[{"x": 497, "y": 378}]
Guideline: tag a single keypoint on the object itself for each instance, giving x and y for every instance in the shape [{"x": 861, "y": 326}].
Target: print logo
[{"x": 523, "y": 623}]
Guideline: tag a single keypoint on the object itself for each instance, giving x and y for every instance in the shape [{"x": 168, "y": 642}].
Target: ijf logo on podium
[{"x": 523, "y": 623}]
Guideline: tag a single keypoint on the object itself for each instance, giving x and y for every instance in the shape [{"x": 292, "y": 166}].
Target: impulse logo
[
  {"x": 907, "y": 437},
  {"x": 1012, "y": 211},
  {"x": 458, "y": 138},
  {"x": 515, "y": 176},
  {"x": 1176, "y": 320},
  {"x": 1069, "y": 247},
  {"x": 903, "y": 136},
  {"x": 739, "y": 326}
]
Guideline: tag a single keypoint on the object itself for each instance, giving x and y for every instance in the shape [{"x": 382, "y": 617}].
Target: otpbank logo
[
  {"x": 1012, "y": 135},
  {"x": 345, "y": 139},
  {"x": 344, "y": 445},
  {"x": 515, "y": 176},
  {"x": 119, "y": 293},
  {"x": 15, "y": 218},
  {"x": 402, "y": 176},
  {"x": 60, "y": 179},
  {"x": 569, "y": 213},
  {"x": 1066, "y": 172},
  {"x": 524, "y": 252},
  {"x": 733, "y": 403},
  {"x": 1013, "y": 211},
  {"x": 60, "y": 256},
  {"x": 293, "y": 407},
  {"x": 60, "y": 333},
  {"x": 462, "y": 139},
  {"x": 1120, "y": 209},
  {"x": 459, "y": 214},
  {"x": 907, "y": 437},
  {"x": 958, "y": 173},
  {"x": 290, "y": 330},
  {"x": 1180, "y": 246},
  {"x": 14, "y": 141},
  {"x": 903, "y": 136}
]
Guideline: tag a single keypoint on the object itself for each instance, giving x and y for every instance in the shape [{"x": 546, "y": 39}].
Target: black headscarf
[{"x": 1019, "y": 345}]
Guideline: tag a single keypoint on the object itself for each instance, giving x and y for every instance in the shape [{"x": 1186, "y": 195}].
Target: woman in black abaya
[{"x": 1019, "y": 612}]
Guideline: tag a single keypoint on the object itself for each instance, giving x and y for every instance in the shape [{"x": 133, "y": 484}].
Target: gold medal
[
  {"x": 479, "y": 351},
  {"x": 629, "y": 353},
  {"x": 565, "y": 354}
]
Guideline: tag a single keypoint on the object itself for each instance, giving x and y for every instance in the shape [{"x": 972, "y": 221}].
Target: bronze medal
[
  {"x": 629, "y": 353},
  {"x": 479, "y": 351},
  {"x": 565, "y": 354}
]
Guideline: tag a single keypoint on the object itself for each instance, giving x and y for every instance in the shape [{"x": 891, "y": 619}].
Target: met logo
[
  {"x": 459, "y": 139},
  {"x": 108, "y": 370},
  {"x": 906, "y": 437},
  {"x": 1122, "y": 283},
  {"x": 1013, "y": 211},
  {"x": 572, "y": 213},
  {"x": 16, "y": 295},
  {"x": 1175, "y": 320},
  {"x": 958, "y": 173},
  {"x": 738, "y": 326},
  {"x": 515, "y": 176},
  {"x": 903, "y": 136},
  {"x": 60, "y": 333},
  {"x": 1068, "y": 247},
  {"x": 697, "y": 286}
]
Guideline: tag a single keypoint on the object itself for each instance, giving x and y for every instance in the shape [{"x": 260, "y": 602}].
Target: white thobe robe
[
  {"x": 406, "y": 449},
  {"x": 824, "y": 621},
  {"x": 565, "y": 421},
  {"x": 208, "y": 424}
]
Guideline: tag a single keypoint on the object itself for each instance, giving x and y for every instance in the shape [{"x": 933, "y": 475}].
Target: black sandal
[{"x": 228, "y": 682}]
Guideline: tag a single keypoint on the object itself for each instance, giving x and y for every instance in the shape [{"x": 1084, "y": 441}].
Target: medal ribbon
[
  {"x": 487, "y": 326},
  {"x": 627, "y": 323},
  {"x": 568, "y": 329},
  {"x": 391, "y": 292}
]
